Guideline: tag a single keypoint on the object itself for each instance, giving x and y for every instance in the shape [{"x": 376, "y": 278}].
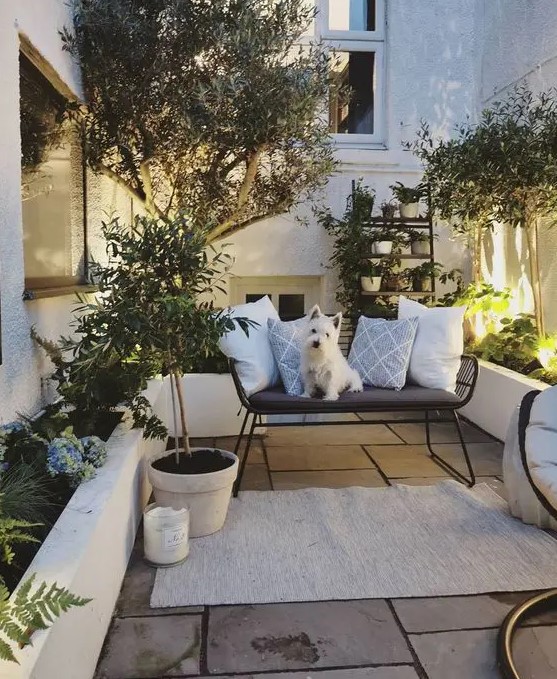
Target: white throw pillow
[
  {"x": 438, "y": 346},
  {"x": 256, "y": 365}
]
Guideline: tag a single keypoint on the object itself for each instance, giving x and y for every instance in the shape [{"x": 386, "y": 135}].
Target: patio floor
[{"x": 433, "y": 638}]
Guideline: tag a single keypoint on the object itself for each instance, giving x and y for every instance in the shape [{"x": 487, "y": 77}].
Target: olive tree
[
  {"x": 207, "y": 106},
  {"x": 452, "y": 171},
  {"x": 501, "y": 169}
]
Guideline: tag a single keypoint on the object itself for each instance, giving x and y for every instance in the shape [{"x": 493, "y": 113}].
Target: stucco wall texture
[
  {"x": 520, "y": 46},
  {"x": 443, "y": 59},
  {"x": 22, "y": 389}
]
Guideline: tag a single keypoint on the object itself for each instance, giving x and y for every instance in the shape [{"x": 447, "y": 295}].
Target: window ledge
[{"x": 42, "y": 293}]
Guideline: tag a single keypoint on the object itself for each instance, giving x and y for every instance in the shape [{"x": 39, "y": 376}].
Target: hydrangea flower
[
  {"x": 12, "y": 428},
  {"x": 64, "y": 456},
  {"x": 94, "y": 450}
]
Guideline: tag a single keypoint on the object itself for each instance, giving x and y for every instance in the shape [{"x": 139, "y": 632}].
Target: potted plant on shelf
[
  {"x": 156, "y": 299},
  {"x": 421, "y": 277},
  {"x": 418, "y": 242},
  {"x": 388, "y": 209},
  {"x": 386, "y": 240},
  {"x": 371, "y": 276},
  {"x": 409, "y": 199}
]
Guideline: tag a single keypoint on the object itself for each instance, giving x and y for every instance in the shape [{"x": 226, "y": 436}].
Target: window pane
[
  {"x": 291, "y": 307},
  {"x": 351, "y": 111},
  {"x": 52, "y": 185},
  {"x": 254, "y": 297},
  {"x": 352, "y": 15}
]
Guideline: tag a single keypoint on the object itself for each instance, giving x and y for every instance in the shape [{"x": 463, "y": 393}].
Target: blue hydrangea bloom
[
  {"x": 65, "y": 456},
  {"x": 12, "y": 428},
  {"x": 94, "y": 450}
]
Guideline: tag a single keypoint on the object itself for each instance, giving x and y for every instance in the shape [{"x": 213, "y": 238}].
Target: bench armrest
[
  {"x": 466, "y": 378},
  {"x": 244, "y": 400}
]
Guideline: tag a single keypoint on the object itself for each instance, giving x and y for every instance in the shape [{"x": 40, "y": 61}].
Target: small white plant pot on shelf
[
  {"x": 383, "y": 247},
  {"x": 409, "y": 210},
  {"x": 370, "y": 283},
  {"x": 165, "y": 534},
  {"x": 420, "y": 247}
]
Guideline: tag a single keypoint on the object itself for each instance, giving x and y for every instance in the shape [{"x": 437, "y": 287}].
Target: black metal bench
[{"x": 411, "y": 399}]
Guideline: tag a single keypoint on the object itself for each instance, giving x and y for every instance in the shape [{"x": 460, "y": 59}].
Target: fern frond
[
  {"x": 30, "y": 612},
  {"x": 6, "y": 652}
]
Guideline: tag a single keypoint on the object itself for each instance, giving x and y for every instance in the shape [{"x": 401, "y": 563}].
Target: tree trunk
[
  {"x": 477, "y": 255},
  {"x": 182, "y": 408},
  {"x": 531, "y": 227}
]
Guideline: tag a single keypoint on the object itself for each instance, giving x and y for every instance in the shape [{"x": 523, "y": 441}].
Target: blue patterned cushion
[
  {"x": 381, "y": 351},
  {"x": 286, "y": 344}
]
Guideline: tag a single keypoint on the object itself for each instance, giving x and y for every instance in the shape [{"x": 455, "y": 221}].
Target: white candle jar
[{"x": 165, "y": 534}]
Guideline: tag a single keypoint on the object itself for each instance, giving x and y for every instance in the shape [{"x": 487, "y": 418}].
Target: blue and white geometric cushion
[
  {"x": 286, "y": 338},
  {"x": 381, "y": 350}
]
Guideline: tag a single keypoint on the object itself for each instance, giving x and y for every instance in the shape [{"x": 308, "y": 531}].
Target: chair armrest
[
  {"x": 244, "y": 400},
  {"x": 466, "y": 378}
]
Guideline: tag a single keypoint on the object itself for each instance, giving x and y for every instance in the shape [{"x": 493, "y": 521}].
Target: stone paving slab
[
  {"x": 455, "y": 612},
  {"x": 486, "y": 458},
  {"x": 535, "y": 652},
  {"x": 383, "y": 672},
  {"x": 137, "y": 587},
  {"x": 151, "y": 648},
  {"x": 256, "y": 477},
  {"x": 256, "y": 454},
  {"x": 368, "y": 478},
  {"x": 405, "y": 461},
  {"x": 458, "y": 655},
  {"x": 333, "y": 435},
  {"x": 440, "y": 433},
  {"x": 308, "y": 457},
  {"x": 245, "y": 639}
]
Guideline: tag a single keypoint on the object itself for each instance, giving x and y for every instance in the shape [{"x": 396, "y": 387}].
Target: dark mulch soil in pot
[{"x": 202, "y": 461}]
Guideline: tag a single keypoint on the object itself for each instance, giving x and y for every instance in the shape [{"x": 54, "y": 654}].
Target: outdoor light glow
[{"x": 547, "y": 352}]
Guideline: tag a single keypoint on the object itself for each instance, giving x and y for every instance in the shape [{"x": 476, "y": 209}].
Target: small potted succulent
[
  {"x": 409, "y": 199},
  {"x": 388, "y": 209},
  {"x": 371, "y": 275}
]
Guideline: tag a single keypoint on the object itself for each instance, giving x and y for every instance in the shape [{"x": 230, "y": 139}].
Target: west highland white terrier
[{"x": 324, "y": 368}]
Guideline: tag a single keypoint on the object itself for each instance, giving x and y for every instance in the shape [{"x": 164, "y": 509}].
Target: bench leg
[
  {"x": 237, "y": 483},
  {"x": 469, "y": 481}
]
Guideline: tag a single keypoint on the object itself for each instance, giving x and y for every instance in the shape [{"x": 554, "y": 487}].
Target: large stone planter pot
[{"x": 207, "y": 496}]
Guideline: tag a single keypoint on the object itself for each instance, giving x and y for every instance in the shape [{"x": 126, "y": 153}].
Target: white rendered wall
[
  {"x": 520, "y": 46},
  {"x": 23, "y": 366},
  {"x": 431, "y": 69}
]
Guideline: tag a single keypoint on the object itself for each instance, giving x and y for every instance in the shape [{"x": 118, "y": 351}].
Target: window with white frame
[
  {"x": 355, "y": 31},
  {"x": 292, "y": 296},
  {"x": 53, "y": 190}
]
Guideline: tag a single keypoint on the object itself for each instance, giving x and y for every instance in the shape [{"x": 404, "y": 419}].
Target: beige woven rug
[{"x": 359, "y": 543}]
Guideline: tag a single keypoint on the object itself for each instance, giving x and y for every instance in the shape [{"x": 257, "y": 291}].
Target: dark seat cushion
[{"x": 411, "y": 397}]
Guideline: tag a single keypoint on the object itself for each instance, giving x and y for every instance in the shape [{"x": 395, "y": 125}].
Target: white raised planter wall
[
  {"x": 498, "y": 393},
  {"x": 212, "y": 405},
  {"x": 87, "y": 551}
]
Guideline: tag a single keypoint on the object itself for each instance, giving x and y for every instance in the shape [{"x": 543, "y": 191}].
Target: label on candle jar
[{"x": 172, "y": 537}]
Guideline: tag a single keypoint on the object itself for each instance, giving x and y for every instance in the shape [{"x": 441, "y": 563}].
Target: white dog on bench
[{"x": 324, "y": 368}]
